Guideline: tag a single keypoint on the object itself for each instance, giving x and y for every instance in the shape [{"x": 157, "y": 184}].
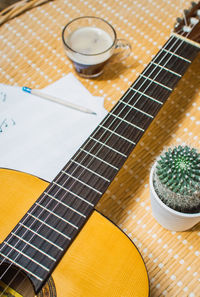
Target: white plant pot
[{"x": 168, "y": 217}]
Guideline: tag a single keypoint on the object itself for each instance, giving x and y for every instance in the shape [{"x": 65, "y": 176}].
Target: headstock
[{"x": 189, "y": 26}]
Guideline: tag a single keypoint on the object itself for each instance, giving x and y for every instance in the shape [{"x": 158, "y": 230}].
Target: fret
[
  {"x": 133, "y": 107},
  {"x": 88, "y": 193},
  {"x": 153, "y": 90},
  {"x": 101, "y": 160},
  {"x": 182, "y": 49},
  {"x": 43, "y": 231},
  {"x": 121, "y": 128},
  {"x": 137, "y": 101},
  {"x": 64, "y": 212},
  {"x": 78, "y": 180},
  {"x": 147, "y": 114},
  {"x": 52, "y": 223},
  {"x": 26, "y": 256},
  {"x": 91, "y": 171},
  {"x": 165, "y": 68},
  {"x": 161, "y": 76},
  {"x": 93, "y": 148},
  {"x": 149, "y": 97},
  {"x": 42, "y": 237},
  {"x": 60, "y": 193},
  {"x": 128, "y": 140},
  {"x": 100, "y": 168},
  {"x": 110, "y": 139},
  {"x": 103, "y": 154},
  {"x": 74, "y": 194},
  {"x": 109, "y": 147},
  {"x": 67, "y": 237},
  {"x": 33, "y": 246},
  {"x": 127, "y": 122},
  {"x": 108, "y": 133},
  {"x": 176, "y": 55},
  {"x": 64, "y": 204},
  {"x": 185, "y": 37},
  {"x": 156, "y": 82},
  {"x": 54, "y": 214},
  {"x": 22, "y": 267},
  {"x": 173, "y": 63}
]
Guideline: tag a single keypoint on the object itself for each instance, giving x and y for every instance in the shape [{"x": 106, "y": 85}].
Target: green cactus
[{"x": 177, "y": 179}]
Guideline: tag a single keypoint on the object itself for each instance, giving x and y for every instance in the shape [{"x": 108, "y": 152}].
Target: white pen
[{"x": 57, "y": 100}]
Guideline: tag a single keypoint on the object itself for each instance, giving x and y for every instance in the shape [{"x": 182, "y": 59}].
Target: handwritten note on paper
[
  {"x": 38, "y": 136},
  {"x": 6, "y": 123},
  {"x": 2, "y": 96},
  {"x": 5, "y": 120}
]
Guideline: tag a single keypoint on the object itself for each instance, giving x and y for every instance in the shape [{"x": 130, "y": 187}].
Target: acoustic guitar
[{"x": 58, "y": 244}]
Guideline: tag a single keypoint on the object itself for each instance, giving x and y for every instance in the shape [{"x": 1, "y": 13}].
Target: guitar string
[
  {"x": 145, "y": 69},
  {"x": 91, "y": 150},
  {"x": 105, "y": 142},
  {"x": 157, "y": 55},
  {"x": 126, "y": 114},
  {"x": 184, "y": 16}
]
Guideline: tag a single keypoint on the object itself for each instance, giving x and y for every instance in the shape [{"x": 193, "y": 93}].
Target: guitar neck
[{"x": 61, "y": 211}]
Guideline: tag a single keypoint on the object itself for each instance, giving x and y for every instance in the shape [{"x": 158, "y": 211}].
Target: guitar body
[{"x": 101, "y": 262}]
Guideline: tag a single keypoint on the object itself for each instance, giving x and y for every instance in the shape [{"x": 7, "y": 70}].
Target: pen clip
[{"x": 26, "y": 89}]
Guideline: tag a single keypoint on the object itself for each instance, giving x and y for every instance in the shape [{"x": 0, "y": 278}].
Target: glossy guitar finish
[{"x": 101, "y": 262}]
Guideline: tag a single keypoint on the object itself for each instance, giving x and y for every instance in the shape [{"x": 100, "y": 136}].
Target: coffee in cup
[{"x": 89, "y": 43}]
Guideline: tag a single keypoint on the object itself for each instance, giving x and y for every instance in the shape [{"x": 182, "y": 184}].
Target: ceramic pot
[{"x": 168, "y": 217}]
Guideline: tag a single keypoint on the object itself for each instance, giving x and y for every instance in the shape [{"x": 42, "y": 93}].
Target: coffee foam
[{"x": 89, "y": 45}]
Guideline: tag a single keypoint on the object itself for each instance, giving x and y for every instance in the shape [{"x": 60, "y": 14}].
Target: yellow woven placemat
[{"x": 32, "y": 54}]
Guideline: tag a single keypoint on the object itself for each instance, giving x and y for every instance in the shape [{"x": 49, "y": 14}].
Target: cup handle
[{"x": 122, "y": 50}]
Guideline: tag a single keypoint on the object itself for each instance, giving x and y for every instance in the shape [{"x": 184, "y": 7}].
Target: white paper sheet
[{"x": 38, "y": 136}]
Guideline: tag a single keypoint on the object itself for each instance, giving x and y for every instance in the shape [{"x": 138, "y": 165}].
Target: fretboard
[{"x": 40, "y": 239}]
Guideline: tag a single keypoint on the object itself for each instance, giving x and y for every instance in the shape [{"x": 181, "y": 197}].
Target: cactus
[{"x": 176, "y": 179}]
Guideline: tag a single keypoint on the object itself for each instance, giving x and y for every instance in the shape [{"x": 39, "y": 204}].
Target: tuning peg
[
  {"x": 179, "y": 20},
  {"x": 186, "y": 11},
  {"x": 186, "y": 29},
  {"x": 194, "y": 21},
  {"x": 193, "y": 3}
]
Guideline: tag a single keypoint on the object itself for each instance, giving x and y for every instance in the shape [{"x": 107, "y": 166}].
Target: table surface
[{"x": 32, "y": 54}]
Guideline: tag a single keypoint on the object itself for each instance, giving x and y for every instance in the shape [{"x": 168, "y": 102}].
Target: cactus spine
[{"x": 177, "y": 179}]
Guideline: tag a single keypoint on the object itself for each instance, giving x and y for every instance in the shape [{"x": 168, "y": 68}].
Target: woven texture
[
  {"x": 32, "y": 54},
  {"x": 17, "y": 8}
]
